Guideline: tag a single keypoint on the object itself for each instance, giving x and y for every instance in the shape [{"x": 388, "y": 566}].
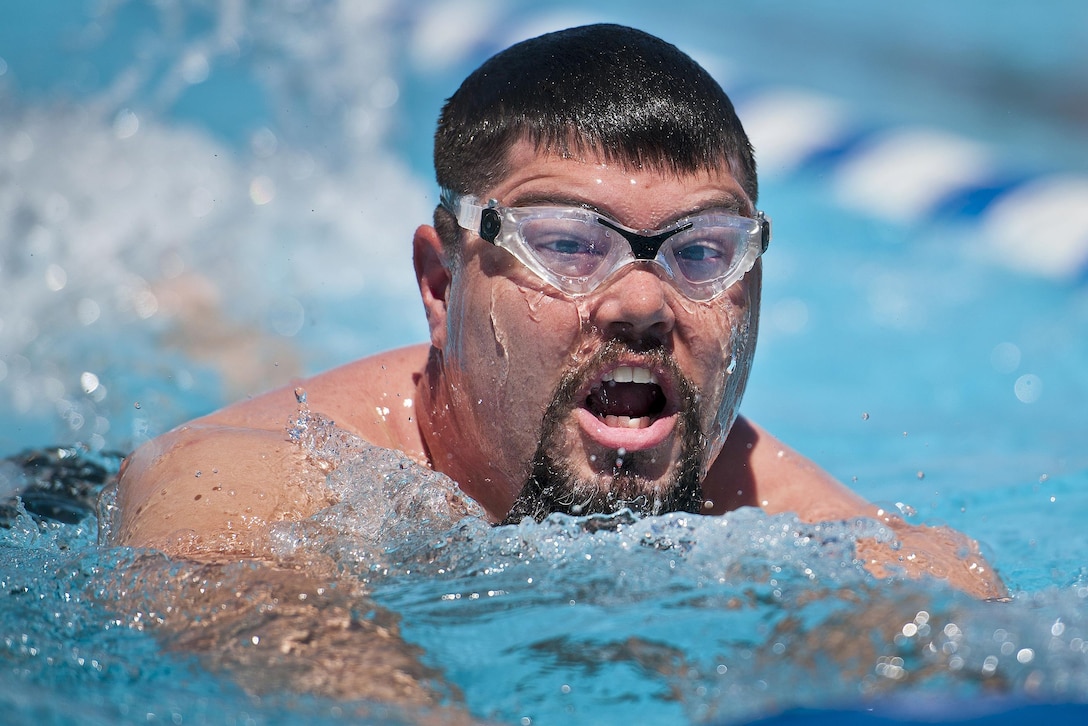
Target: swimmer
[{"x": 591, "y": 282}]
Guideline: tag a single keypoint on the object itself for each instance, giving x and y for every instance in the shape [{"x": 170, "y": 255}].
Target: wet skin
[{"x": 504, "y": 339}]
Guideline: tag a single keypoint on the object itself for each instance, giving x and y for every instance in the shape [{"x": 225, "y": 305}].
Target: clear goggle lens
[{"x": 575, "y": 249}]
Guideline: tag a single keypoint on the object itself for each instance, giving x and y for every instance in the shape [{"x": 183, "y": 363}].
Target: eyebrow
[{"x": 727, "y": 201}]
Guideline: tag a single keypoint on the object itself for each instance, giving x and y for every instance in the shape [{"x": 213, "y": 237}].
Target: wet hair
[{"x": 609, "y": 90}]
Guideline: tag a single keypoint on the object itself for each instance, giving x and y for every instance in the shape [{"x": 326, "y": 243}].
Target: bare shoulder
[
  {"x": 757, "y": 469},
  {"x": 214, "y": 484},
  {"x": 205, "y": 488},
  {"x": 371, "y": 397}
]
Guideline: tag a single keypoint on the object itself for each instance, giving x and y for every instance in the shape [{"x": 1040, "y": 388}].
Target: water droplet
[
  {"x": 1028, "y": 388},
  {"x": 262, "y": 190},
  {"x": 136, "y": 405},
  {"x": 263, "y": 142},
  {"x": 55, "y": 277},
  {"x": 89, "y": 382},
  {"x": 87, "y": 311},
  {"x": 864, "y": 415},
  {"x": 125, "y": 124},
  {"x": 195, "y": 68}
]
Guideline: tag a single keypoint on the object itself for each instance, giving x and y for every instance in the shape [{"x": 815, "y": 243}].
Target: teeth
[
  {"x": 626, "y": 422},
  {"x": 630, "y": 374}
]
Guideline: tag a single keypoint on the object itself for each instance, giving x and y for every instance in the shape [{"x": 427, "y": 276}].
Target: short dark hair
[{"x": 608, "y": 89}]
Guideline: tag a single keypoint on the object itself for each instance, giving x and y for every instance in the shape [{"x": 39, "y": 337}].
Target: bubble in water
[
  {"x": 864, "y": 415},
  {"x": 87, "y": 311},
  {"x": 125, "y": 124},
  {"x": 262, "y": 190},
  {"x": 55, "y": 277},
  {"x": 89, "y": 382},
  {"x": 287, "y": 316},
  {"x": 1028, "y": 388},
  {"x": 384, "y": 93},
  {"x": 263, "y": 142},
  {"x": 195, "y": 68},
  {"x": 789, "y": 316},
  {"x": 1005, "y": 357}
]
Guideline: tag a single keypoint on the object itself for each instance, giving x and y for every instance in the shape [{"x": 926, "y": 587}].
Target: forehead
[{"x": 639, "y": 197}]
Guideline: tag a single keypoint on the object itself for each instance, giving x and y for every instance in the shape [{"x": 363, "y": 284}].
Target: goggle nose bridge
[{"x": 644, "y": 247}]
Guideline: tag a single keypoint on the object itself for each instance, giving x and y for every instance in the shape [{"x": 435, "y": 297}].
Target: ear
[{"x": 434, "y": 278}]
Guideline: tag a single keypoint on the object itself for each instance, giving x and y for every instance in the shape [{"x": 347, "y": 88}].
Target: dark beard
[{"x": 552, "y": 486}]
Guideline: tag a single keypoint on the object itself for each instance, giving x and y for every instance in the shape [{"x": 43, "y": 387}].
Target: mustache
[{"x": 613, "y": 351}]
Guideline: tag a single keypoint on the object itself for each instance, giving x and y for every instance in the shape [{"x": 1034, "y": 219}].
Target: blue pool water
[{"x": 200, "y": 200}]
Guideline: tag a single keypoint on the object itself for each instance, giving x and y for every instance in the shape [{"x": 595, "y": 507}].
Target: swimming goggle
[{"x": 575, "y": 249}]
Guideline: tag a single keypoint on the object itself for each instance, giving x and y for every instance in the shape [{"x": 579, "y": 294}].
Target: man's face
[{"x": 611, "y": 396}]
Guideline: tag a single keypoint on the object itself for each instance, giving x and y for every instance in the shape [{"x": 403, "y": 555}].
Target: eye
[
  {"x": 570, "y": 247},
  {"x": 705, "y": 257},
  {"x": 699, "y": 252},
  {"x": 566, "y": 246}
]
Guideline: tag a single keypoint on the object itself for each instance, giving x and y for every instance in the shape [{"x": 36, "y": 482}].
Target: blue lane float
[{"x": 1036, "y": 223}]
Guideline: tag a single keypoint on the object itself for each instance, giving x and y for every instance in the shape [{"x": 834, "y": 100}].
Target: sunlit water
[{"x": 198, "y": 201}]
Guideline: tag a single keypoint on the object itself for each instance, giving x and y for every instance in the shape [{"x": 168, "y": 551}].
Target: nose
[{"x": 634, "y": 306}]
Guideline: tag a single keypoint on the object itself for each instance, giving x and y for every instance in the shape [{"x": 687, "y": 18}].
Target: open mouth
[{"x": 627, "y": 397}]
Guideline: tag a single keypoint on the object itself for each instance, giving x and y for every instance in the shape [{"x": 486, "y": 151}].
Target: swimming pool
[{"x": 198, "y": 201}]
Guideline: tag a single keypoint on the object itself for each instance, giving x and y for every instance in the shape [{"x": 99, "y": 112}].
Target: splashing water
[{"x": 659, "y": 619}]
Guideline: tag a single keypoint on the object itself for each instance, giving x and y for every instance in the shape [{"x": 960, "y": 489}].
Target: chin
[{"x": 556, "y": 486}]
